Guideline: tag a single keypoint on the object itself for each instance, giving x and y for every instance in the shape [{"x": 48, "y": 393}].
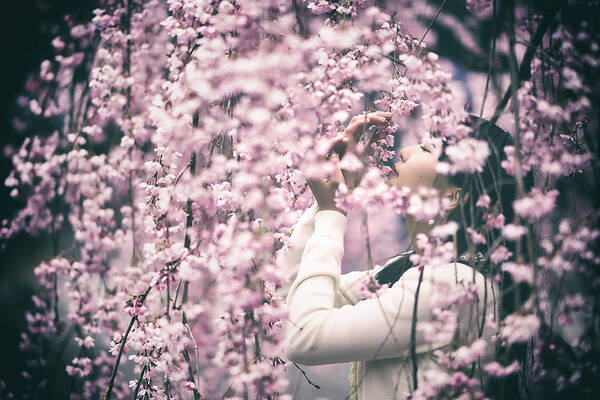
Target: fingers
[
  {"x": 354, "y": 131},
  {"x": 349, "y": 139},
  {"x": 376, "y": 135},
  {"x": 338, "y": 146},
  {"x": 375, "y": 114}
]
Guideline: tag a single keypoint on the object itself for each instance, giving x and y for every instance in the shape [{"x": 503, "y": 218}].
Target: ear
[{"x": 457, "y": 196}]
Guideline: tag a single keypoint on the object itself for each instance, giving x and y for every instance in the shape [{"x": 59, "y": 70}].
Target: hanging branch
[
  {"x": 186, "y": 355},
  {"x": 418, "y": 47},
  {"x": 137, "y": 386},
  {"x": 113, "y": 375},
  {"x": 525, "y": 66},
  {"x": 431, "y": 23},
  {"x": 490, "y": 61},
  {"x": 297, "y": 12}
]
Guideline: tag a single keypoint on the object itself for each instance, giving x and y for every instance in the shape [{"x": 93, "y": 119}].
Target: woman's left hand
[{"x": 324, "y": 189}]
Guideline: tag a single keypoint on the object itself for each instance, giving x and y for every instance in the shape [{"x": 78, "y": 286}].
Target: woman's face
[{"x": 416, "y": 168}]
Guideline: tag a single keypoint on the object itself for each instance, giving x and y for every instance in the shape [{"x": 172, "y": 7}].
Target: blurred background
[{"x": 27, "y": 30}]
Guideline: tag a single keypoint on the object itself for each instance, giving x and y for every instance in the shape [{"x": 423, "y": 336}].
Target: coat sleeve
[
  {"x": 290, "y": 257},
  {"x": 318, "y": 332}
]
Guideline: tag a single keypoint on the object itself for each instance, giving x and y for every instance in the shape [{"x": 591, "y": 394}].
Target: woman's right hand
[
  {"x": 360, "y": 122},
  {"x": 348, "y": 142}
]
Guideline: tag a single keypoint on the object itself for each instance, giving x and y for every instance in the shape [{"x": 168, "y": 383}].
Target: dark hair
[{"x": 492, "y": 181}]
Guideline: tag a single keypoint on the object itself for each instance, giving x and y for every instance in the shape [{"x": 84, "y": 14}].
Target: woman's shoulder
[{"x": 446, "y": 274}]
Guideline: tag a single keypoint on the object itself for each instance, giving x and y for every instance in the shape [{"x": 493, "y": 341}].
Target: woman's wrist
[
  {"x": 331, "y": 223},
  {"x": 333, "y": 208}
]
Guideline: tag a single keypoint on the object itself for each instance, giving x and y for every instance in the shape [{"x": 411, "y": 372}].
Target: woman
[{"x": 328, "y": 321}]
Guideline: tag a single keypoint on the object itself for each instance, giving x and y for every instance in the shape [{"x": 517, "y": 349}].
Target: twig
[
  {"x": 111, "y": 383},
  {"x": 394, "y": 59},
  {"x": 186, "y": 355},
  {"x": 58, "y": 359},
  {"x": 307, "y": 379},
  {"x": 196, "y": 351},
  {"x": 303, "y": 31},
  {"x": 524, "y": 67},
  {"x": 431, "y": 23},
  {"x": 113, "y": 375},
  {"x": 139, "y": 382},
  {"x": 490, "y": 62},
  {"x": 515, "y": 82},
  {"x": 427, "y": 31}
]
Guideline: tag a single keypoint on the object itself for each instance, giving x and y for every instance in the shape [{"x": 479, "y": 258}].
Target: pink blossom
[
  {"x": 496, "y": 221},
  {"x": 513, "y": 232},
  {"x": 500, "y": 254},
  {"x": 517, "y": 328},
  {"x": 519, "y": 272},
  {"x": 466, "y": 355},
  {"x": 351, "y": 162},
  {"x": 425, "y": 204},
  {"x": 477, "y": 6},
  {"x": 468, "y": 155},
  {"x": 80, "y": 367},
  {"x": 369, "y": 288},
  {"x": 476, "y": 237},
  {"x": 445, "y": 230},
  {"x": 483, "y": 201},
  {"x": 496, "y": 369},
  {"x": 536, "y": 204}
]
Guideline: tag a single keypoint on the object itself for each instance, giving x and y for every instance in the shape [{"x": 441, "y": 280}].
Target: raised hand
[
  {"x": 348, "y": 157},
  {"x": 324, "y": 188},
  {"x": 353, "y": 167},
  {"x": 359, "y": 123}
]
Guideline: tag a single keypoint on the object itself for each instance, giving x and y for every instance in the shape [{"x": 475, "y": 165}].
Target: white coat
[{"x": 329, "y": 323}]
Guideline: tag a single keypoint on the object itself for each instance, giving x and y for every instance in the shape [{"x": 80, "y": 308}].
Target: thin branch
[
  {"x": 431, "y": 23},
  {"x": 301, "y": 27},
  {"x": 427, "y": 31},
  {"x": 307, "y": 379},
  {"x": 393, "y": 59},
  {"x": 139, "y": 382},
  {"x": 186, "y": 355},
  {"x": 490, "y": 61},
  {"x": 196, "y": 350},
  {"x": 525, "y": 66},
  {"x": 113, "y": 375},
  {"x": 111, "y": 383}
]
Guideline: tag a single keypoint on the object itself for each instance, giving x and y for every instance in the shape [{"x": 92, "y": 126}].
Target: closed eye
[{"x": 425, "y": 149}]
